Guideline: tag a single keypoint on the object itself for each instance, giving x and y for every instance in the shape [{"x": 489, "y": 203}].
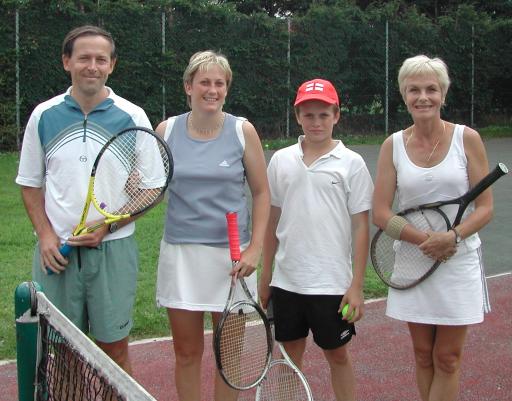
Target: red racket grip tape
[{"x": 233, "y": 236}]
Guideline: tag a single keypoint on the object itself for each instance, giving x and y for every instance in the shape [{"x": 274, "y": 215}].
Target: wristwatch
[
  {"x": 458, "y": 238},
  {"x": 113, "y": 227}
]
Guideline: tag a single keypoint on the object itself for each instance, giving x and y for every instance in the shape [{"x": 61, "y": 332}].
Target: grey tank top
[{"x": 208, "y": 182}]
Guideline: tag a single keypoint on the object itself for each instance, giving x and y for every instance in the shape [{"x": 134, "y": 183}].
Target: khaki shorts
[{"x": 97, "y": 289}]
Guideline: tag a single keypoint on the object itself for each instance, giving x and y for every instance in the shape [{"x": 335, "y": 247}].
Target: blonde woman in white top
[{"x": 434, "y": 160}]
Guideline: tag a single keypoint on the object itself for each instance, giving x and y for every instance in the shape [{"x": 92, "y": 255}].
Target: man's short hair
[{"x": 86, "y": 30}]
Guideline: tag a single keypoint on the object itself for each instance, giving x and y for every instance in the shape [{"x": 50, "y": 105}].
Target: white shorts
[{"x": 196, "y": 277}]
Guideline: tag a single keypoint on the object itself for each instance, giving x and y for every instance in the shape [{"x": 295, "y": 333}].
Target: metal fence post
[
  {"x": 17, "y": 47},
  {"x": 386, "y": 103}
]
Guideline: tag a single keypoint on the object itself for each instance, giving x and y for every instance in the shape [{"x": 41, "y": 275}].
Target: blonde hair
[
  {"x": 202, "y": 61},
  {"x": 423, "y": 65}
]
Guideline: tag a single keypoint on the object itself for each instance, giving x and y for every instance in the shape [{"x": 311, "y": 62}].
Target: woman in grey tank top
[{"x": 215, "y": 155}]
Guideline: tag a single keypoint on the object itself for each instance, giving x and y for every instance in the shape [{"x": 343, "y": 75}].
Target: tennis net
[{"x": 71, "y": 367}]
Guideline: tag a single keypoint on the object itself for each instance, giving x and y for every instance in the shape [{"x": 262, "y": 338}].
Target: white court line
[{"x": 368, "y": 301}]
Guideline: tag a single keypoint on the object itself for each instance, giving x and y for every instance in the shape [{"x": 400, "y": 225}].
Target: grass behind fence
[{"x": 16, "y": 249}]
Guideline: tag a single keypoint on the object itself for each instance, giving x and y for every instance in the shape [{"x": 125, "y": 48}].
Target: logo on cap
[{"x": 314, "y": 86}]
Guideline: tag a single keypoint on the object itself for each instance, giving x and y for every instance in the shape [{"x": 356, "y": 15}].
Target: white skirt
[
  {"x": 455, "y": 294},
  {"x": 196, "y": 277}
]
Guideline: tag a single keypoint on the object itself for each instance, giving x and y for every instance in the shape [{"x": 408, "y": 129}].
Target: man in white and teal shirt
[{"x": 95, "y": 286}]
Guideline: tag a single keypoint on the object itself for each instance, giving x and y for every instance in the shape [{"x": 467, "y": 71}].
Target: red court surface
[{"x": 381, "y": 352}]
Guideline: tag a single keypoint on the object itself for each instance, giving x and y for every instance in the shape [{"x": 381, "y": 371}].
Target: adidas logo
[{"x": 224, "y": 164}]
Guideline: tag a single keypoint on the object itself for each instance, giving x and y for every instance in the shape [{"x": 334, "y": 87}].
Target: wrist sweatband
[{"x": 395, "y": 226}]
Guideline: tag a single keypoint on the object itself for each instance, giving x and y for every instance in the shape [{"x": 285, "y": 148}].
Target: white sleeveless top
[
  {"x": 446, "y": 180},
  {"x": 456, "y": 293}
]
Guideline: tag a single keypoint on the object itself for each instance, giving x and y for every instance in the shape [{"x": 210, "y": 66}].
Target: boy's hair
[
  {"x": 202, "y": 61},
  {"x": 423, "y": 65},
  {"x": 335, "y": 109},
  {"x": 86, "y": 30}
]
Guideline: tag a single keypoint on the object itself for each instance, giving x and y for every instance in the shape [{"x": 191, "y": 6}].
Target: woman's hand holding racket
[
  {"x": 439, "y": 245},
  {"x": 248, "y": 263},
  {"x": 242, "y": 339}
]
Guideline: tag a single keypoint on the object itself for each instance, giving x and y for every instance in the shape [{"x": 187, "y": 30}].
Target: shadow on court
[{"x": 381, "y": 352}]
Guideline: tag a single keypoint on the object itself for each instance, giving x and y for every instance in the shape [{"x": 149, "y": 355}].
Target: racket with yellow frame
[{"x": 129, "y": 176}]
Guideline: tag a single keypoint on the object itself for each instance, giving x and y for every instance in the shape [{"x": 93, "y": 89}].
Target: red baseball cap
[{"x": 317, "y": 89}]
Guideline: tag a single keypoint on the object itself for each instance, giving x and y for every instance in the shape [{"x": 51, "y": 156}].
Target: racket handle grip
[
  {"x": 64, "y": 250},
  {"x": 233, "y": 236}
]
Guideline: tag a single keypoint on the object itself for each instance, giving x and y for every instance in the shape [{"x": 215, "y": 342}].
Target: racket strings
[
  {"x": 132, "y": 173},
  {"x": 282, "y": 383},
  {"x": 401, "y": 263},
  {"x": 244, "y": 348}
]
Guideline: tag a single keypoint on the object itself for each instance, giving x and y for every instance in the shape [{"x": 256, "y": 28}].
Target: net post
[{"x": 26, "y": 338}]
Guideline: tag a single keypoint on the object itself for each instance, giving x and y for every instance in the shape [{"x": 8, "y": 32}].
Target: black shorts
[{"x": 296, "y": 314}]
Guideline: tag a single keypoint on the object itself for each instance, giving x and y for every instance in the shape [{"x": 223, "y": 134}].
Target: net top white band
[{"x": 126, "y": 386}]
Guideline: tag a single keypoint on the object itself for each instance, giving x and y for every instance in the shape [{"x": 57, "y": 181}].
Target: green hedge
[{"x": 339, "y": 42}]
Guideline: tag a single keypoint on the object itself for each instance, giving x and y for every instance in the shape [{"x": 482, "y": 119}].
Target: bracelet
[{"x": 395, "y": 226}]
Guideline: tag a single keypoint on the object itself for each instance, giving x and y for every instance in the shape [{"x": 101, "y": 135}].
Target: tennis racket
[
  {"x": 129, "y": 176},
  {"x": 242, "y": 340},
  {"x": 284, "y": 381},
  {"x": 401, "y": 264}
]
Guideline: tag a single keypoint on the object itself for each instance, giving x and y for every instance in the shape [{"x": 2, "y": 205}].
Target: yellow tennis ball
[{"x": 344, "y": 312}]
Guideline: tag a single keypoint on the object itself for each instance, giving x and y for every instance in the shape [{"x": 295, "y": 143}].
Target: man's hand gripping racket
[
  {"x": 129, "y": 176},
  {"x": 401, "y": 264},
  {"x": 242, "y": 339}
]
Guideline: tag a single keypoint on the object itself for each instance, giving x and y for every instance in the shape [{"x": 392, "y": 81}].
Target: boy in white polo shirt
[{"x": 321, "y": 196}]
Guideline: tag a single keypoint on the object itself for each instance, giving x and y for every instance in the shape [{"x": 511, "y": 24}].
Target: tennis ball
[{"x": 344, "y": 311}]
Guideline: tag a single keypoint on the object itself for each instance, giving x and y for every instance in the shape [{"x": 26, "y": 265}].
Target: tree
[{"x": 275, "y": 8}]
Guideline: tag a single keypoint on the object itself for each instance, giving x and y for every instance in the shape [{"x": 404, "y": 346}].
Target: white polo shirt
[
  {"x": 59, "y": 148},
  {"x": 314, "y": 254}
]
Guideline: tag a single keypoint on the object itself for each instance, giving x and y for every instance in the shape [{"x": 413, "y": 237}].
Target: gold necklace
[
  {"x": 206, "y": 131},
  {"x": 435, "y": 146}
]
